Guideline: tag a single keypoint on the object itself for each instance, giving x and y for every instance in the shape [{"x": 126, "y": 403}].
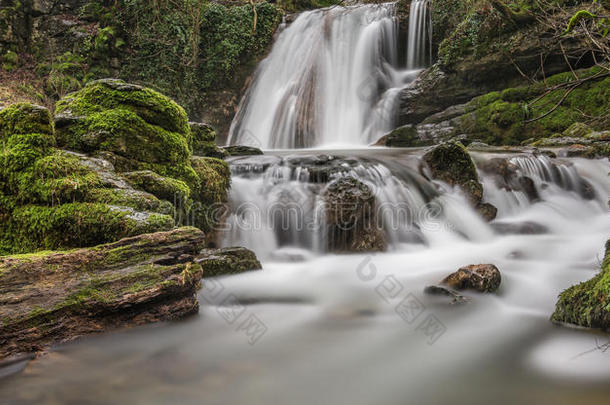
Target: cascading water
[
  {"x": 332, "y": 78},
  {"x": 333, "y": 332},
  {"x": 419, "y": 48}
]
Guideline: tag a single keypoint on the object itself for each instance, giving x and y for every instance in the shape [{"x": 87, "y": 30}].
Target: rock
[
  {"x": 402, "y": 137},
  {"x": 349, "y": 215},
  {"x": 54, "y": 297},
  {"x": 456, "y": 298},
  {"x": 226, "y": 261},
  {"x": 142, "y": 128},
  {"x": 204, "y": 141},
  {"x": 479, "y": 277},
  {"x": 519, "y": 228},
  {"x": 487, "y": 211},
  {"x": 164, "y": 188},
  {"x": 506, "y": 175},
  {"x": 577, "y": 130},
  {"x": 241, "y": 150},
  {"x": 451, "y": 163},
  {"x": 588, "y": 303}
]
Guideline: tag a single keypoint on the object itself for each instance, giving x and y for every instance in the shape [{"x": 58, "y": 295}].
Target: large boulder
[
  {"x": 349, "y": 216},
  {"x": 53, "y": 297},
  {"x": 52, "y": 199},
  {"x": 135, "y": 127},
  {"x": 588, "y": 303},
  {"x": 451, "y": 163}
]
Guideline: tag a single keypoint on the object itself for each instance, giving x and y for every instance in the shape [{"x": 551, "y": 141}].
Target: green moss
[
  {"x": 588, "y": 303},
  {"x": 33, "y": 227},
  {"x": 499, "y": 118},
  {"x": 215, "y": 178},
  {"x": 109, "y": 94},
  {"x": 204, "y": 141},
  {"x": 164, "y": 188},
  {"x": 24, "y": 118}
]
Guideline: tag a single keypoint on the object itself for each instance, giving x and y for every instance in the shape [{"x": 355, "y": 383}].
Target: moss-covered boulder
[
  {"x": 204, "y": 141},
  {"x": 450, "y": 162},
  {"x": 142, "y": 128},
  {"x": 587, "y": 304},
  {"x": 350, "y": 217}
]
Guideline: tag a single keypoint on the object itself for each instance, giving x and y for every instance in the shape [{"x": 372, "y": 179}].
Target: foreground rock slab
[
  {"x": 479, "y": 277},
  {"x": 52, "y": 297}
]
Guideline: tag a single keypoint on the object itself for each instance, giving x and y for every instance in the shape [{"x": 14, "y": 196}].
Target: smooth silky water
[{"x": 329, "y": 331}]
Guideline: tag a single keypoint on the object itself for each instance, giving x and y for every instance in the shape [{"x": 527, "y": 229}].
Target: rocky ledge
[{"x": 53, "y": 297}]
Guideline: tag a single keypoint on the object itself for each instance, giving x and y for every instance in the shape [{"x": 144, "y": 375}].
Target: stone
[
  {"x": 54, "y": 297},
  {"x": 587, "y": 304},
  {"x": 350, "y": 217},
  {"x": 484, "y": 278},
  {"x": 242, "y": 150}
]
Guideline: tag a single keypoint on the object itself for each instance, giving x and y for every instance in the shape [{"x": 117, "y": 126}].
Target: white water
[
  {"x": 332, "y": 333},
  {"x": 332, "y": 78},
  {"x": 419, "y": 49}
]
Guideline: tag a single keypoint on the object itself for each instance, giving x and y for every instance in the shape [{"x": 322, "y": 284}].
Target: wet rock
[
  {"x": 479, "y": 277},
  {"x": 53, "y": 297},
  {"x": 241, "y": 150},
  {"x": 349, "y": 214},
  {"x": 487, "y": 211},
  {"x": 588, "y": 303},
  {"x": 456, "y": 297},
  {"x": 402, "y": 137},
  {"x": 506, "y": 175},
  {"x": 225, "y": 261},
  {"x": 519, "y": 228}
]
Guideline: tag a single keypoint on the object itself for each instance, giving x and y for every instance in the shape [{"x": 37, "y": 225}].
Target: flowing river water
[{"x": 315, "y": 327}]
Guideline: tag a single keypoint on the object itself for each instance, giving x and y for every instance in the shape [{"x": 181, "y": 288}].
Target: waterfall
[
  {"x": 332, "y": 78},
  {"x": 419, "y": 48}
]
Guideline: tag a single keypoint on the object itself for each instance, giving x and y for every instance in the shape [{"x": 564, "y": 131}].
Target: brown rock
[{"x": 479, "y": 277}]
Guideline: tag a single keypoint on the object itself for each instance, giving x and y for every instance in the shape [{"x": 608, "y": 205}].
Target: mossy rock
[
  {"x": 242, "y": 150},
  {"x": 109, "y": 94},
  {"x": 587, "y": 304},
  {"x": 34, "y": 227},
  {"x": 24, "y": 118},
  {"x": 577, "y": 130},
  {"x": 204, "y": 141},
  {"x": 516, "y": 115},
  {"x": 143, "y": 129},
  {"x": 215, "y": 178},
  {"x": 402, "y": 137},
  {"x": 161, "y": 187}
]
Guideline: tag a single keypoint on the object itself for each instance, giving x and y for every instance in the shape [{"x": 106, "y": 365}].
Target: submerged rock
[
  {"x": 588, "y": 303},
  {"x": 226, "y": 261},
  {"x": 349, "y": 208},
  {"x": 479, "y": 277},
  {"x": 456, "y": 298}
]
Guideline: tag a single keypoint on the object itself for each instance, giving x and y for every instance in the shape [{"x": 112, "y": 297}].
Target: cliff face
[{"x": 199, "y": 53}]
